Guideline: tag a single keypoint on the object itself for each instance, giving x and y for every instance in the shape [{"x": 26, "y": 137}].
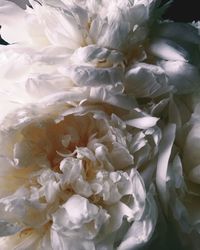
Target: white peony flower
[
  {"x": 74, "y": 24},
  {"x": 66, "y": 43},
  {"x": 69, "y": 178},
  {"x": 47, "y": 62},
  {"x": 89, "y": 50},
  {"x": 69, "y": 44},
  {"x": 82, "y": 83},
  {"x": 51, "y": 71}
]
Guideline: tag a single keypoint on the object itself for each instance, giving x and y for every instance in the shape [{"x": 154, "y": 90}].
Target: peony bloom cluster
[
  {"x": 69, "y": 179},
  {"x": 99, "y": 126}
]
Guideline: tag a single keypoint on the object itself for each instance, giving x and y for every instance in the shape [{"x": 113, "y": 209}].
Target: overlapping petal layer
[{"x": 95, "y": 98}]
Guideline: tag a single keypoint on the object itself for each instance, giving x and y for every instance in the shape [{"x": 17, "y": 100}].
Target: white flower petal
[
  {"x": 65, "y": 28},
  {"x": 27, "y": 239},
  {"x": 97, "y": 56},
  {"x": 61, "y": 242},
  {"x": 183, "y": 76},
  {"x": 89, "y": 76},
  {"x": 75, "y": 217},
  {"x": 179, "y": 32},
  {"x": 121, "y": 157},
  {"x": 194, "y": 174},
  {"x": 109, "y": 96},
  {"x": 192, "y": 146},
  {"x": 163, "y": 161},
  {"x": 143, "y": 122},
  {"x": 118, "y": 212},
  {"x": 114, "y": 31},
  {"x": 71, "y": 169},
  {"x": 12, "y": 17},
  {"x": 141, "y": 231},
  {"x": 146, "y": 80},
  {"x": 168, "y": 50}
]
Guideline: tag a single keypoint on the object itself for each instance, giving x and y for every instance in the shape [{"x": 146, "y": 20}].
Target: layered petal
[{"x": 73, "y": 176}]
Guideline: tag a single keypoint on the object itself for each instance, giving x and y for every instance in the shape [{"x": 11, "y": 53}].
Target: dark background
[{"x": 183, "y": 10}]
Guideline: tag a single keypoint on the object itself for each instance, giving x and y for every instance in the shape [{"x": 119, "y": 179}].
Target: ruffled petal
[{"x": 146, "y": 80}]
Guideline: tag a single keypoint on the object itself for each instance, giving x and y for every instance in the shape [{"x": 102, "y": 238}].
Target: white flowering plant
[{"x": 99, "y": 123}]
